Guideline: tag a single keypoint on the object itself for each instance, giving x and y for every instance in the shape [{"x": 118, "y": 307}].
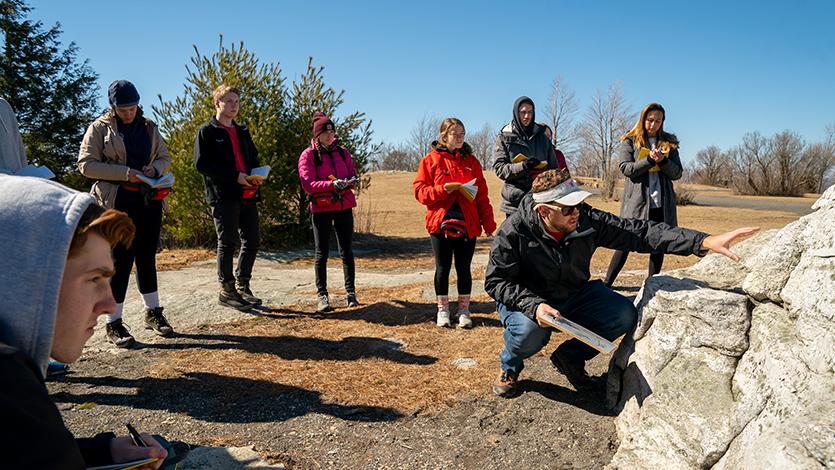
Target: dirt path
[{"x": 195, "y": 388}]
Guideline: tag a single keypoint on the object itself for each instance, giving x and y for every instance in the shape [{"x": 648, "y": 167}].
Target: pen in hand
[{"x": 135, "y": 437}]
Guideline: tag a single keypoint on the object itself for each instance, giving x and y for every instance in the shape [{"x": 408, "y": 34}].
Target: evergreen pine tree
[{"x": 53, "y": 93}]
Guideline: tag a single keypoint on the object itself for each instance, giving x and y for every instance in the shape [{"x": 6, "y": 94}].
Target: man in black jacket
[
  {"x": 54, "y": 283},
  {"x": 225, "y": 155},
  {"x": 539, "y": 265}
]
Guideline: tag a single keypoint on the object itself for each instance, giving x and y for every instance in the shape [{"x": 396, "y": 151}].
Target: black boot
[
  {"x": 246, "y": 294},
  {"x": 118, "y": 334},
  {"x": 231, "y": 298},
  {"x": 154, "y": 320}
]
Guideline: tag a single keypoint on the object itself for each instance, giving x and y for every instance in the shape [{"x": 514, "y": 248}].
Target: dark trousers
[
  {"x": 595, "y": 307},
  {"x": 462, "y": 249},
  {"x": 233, "y": 220},
  {"x": 143, "y": 251},
  {"x": 342, "y": 223},
  {"x": 619, "y": 257}
]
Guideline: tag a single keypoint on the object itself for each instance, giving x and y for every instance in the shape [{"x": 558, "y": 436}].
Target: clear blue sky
[{"x": 720, "y": 68}]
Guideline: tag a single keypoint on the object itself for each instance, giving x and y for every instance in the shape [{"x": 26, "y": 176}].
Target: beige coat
[{"x": 103, "y": 157}]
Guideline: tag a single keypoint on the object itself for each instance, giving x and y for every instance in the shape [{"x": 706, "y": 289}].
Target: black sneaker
[
  {"x": 118, "y": 334},
  {"x": 246, "y": 294},
  {"x": 154, "y": 320},
  {"x": 230, "y": 297},
  {"x": 351, "y": 300},
  {"x": 574, "y": 371}
]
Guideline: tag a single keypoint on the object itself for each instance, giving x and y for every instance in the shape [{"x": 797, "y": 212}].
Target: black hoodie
[{"x": 517, "y": 121}]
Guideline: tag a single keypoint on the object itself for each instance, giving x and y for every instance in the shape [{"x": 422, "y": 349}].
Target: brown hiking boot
[{"x": 505, "y": 385}]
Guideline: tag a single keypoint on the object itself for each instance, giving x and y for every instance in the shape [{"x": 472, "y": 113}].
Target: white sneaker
[
  {"x": 443, "y": 318},
  {"x": 464, "y": 320}
]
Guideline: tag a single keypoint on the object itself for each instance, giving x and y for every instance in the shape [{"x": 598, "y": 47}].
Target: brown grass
[
  {"x": 348, "y": 364},
  {"x": 345, "y": 355}
]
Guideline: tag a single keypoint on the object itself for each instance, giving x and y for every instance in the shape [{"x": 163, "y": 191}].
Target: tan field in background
[{"x": 388, "y": 208}]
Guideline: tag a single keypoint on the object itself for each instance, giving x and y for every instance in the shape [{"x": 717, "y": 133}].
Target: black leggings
[
  {"x": 444, "y": 248},
  {"x": 619, "y": 258},
  {"x": 143, "y": 251},
  {"x": 343, "y": 223}
]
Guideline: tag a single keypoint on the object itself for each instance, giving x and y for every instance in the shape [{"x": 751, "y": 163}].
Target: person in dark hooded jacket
[
  {"x": 521, "y": 151},
  {"x": 64, "y": 273},
  {"x": 539, "y": 266}
]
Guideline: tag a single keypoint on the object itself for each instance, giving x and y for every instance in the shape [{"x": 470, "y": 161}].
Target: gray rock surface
[
  {"x": 733, "y": 365},
  {"x": 226, "y": 458}
]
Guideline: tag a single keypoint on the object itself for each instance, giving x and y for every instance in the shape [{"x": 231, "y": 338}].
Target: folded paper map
[
  {"x": 164, "y": 181},
  {"x": 468, "y": 189},
  {"x": 582, "y": 333},
  {"x": 521, "y": 158}
]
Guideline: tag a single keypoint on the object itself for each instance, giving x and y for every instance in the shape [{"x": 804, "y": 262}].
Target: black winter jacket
[
  {"x": 215, "y": 160},
  {"x": 32, "y": 433},
  {"x": 528, "y": 267},
  {"x": 517, "y": 180}
]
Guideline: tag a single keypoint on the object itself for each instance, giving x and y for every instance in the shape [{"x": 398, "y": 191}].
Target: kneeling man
[{"x": 539, "y": 265}]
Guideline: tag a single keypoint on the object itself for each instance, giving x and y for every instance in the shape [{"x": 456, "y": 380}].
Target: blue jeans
[{"x": 595, "y": 307}]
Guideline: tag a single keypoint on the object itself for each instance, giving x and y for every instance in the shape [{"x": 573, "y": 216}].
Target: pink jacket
[{"x": 316, "y": 179}]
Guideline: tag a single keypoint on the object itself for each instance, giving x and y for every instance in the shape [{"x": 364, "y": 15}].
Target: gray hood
[
  {"x": 12, "y": 155},
  {"x": 37, "y": 222}
]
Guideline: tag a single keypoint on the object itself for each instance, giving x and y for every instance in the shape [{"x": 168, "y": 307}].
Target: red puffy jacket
[{"x": 441, "y": 167}]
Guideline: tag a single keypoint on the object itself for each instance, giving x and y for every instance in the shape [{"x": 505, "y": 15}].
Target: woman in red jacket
[
  {"x": 328, "y": 175},
  {"x": 451, "y": 185}
]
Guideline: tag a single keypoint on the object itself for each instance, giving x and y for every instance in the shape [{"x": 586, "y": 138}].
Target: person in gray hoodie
[
  {"x": 12, "y": 153},
  {"x": 521, "y": 152},
  {"x": 54, "y": 284}
]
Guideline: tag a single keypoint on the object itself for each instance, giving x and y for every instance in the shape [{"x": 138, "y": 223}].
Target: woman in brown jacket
[{"x": 118, "y": 149}]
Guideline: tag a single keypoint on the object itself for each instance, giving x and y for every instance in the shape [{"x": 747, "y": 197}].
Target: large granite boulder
[{"x": 732, "y": 365}]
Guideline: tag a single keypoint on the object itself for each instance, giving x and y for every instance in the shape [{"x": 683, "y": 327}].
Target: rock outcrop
[{"x": 732, "y": 365}]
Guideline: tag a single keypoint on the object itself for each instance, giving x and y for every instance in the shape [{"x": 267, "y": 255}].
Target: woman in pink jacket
[{"x": 328, "y": 176}]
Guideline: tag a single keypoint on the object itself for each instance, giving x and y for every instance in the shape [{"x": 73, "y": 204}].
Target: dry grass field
[{"x": 388, "y": 209}]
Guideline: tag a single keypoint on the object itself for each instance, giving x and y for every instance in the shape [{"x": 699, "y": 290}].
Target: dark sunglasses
[{"x": 569, "y": 210}]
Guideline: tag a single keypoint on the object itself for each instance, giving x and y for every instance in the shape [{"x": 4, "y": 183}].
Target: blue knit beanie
[{"x": 122, "y": 93}]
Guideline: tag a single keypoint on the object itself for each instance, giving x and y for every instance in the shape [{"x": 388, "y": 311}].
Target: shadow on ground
[
  {"x": 397, "y": 312},
  {"x": 298, "y": 348},
  {"x": 591, "y": 401},
  {"x": 217, "y": 398}
]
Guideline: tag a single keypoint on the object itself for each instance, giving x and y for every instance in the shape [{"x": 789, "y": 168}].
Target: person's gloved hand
[
  {"x": 532, "y": 163},
  {"x": 341, "y": 184}
]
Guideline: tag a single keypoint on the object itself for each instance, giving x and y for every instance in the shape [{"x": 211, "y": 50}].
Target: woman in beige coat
[{"x": 119, "y": 149}]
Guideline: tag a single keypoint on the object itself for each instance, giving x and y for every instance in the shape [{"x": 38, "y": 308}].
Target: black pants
[
  {"x": 619, "y": 258},
  {"x": 343, "y": 224},
  {"x": 444, "y": 249},
  {"x": 143, "y": 251},
  {"x": 235, "y": 219}
]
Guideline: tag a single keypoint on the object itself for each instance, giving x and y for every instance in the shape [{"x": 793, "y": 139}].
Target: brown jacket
[{"x": 103, "y": 157}]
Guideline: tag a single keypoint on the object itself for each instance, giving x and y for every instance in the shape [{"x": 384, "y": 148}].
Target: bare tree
[
  {"x": 604, "y": 122},
  {"x": 751, "y": 165},
  {"x": 712, "y": 167},
  {"x": 786, "y": 149},
  {"x": 482, "y": 143},
  {"x": 422, "y": 135},
  {"x": 560, "y": 114},
  {"x": 397, "y": 158}
]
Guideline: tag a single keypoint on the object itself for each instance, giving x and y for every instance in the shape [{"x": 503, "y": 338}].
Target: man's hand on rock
[
  {"x": 721, "y": 243},
  {"x": 544, "y": 310}
]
